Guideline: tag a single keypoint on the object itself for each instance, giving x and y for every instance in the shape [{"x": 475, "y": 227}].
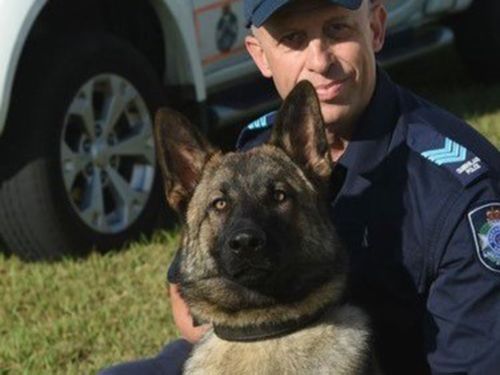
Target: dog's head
[{"x": 257, "y": 239}]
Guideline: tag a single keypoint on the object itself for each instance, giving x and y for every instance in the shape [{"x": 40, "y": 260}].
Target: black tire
[
  {"x": 37, "y": 218},
  {"x": 477, "y": 32}
]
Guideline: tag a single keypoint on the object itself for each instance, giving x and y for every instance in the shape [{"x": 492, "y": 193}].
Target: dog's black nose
[{"x": 247, "y": 242}]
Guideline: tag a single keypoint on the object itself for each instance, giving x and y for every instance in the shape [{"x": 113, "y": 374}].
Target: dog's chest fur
[{"x": 337, "y": 344}]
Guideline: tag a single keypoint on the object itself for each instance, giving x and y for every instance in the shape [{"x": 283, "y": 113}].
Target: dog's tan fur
[{"x": 338, "y": 344}]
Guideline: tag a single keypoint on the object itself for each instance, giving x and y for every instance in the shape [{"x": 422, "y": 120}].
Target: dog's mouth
[{"x": 250, "y": 272}]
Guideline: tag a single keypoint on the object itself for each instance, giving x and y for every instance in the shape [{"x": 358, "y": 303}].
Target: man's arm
[
  {"x": 180, "y": 310},
  {"x": 182, "y": 317},
  {"x": 463, "y": 322}
]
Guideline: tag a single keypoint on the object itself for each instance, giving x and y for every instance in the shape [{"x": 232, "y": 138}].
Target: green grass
[{"x": 76, "y": 316}]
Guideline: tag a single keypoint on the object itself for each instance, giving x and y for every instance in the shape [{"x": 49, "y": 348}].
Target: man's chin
[{"x": 335, "y": 114}]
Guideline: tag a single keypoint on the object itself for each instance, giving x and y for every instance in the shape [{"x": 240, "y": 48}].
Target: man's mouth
[{"x": 330, "y": 90}]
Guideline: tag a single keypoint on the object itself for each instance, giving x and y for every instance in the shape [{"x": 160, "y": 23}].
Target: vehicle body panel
[
  {"x": 221, "y": 33},
  {"x": 16, "y": 19},
  {"x": 184, "y": 64}
]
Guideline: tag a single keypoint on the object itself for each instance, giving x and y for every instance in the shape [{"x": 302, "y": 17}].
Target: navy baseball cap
[{"x": 258, "y": 11}]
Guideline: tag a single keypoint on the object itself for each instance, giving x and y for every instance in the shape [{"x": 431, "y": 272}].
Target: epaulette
[
  {"x": 256, "y": 127},
  {"x": 262, "y": 122},
  {"x": 446, "y": 153}
]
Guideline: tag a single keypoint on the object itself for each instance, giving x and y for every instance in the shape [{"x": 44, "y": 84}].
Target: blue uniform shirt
[
  {"x": 417, "y": 185},
  {"x": 418, "y": 207}
]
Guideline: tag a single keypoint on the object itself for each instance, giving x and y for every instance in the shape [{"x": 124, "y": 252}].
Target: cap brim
[{"x": 262, "y": 13}]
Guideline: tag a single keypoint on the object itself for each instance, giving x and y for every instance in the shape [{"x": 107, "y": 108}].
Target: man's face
[{"x": 330, "y": 46}]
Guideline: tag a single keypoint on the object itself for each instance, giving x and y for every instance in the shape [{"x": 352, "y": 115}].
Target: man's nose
[{"x": 320, "y": 57}]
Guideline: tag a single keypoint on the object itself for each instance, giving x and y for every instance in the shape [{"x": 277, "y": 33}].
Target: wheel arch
[
  {"x": 151, "y": 26},
  {"x": 21, "y": 15},
  {"x": 183, "y": 67}
]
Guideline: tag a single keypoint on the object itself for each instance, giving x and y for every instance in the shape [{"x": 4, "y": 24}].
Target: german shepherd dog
[{"x": 260, "y": 260}]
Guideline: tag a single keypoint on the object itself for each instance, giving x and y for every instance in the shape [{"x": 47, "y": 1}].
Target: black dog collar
[{"x": 266, "y": 331}]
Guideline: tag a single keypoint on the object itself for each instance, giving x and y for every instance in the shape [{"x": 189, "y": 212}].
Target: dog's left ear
[
  {"x": 300, "y": 131},
  {"x": 182, "y": 153}
]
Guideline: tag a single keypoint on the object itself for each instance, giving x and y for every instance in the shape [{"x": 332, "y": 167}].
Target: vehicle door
[
  {"x": 403, "y": 13},
  {"x": 220, "y": 31}
]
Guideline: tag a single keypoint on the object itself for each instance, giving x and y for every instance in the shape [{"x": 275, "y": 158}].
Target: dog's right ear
[{"x": 182, "y": 152}]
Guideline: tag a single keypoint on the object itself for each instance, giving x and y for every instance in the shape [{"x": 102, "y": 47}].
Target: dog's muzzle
[{"x": 246, "y": 257}]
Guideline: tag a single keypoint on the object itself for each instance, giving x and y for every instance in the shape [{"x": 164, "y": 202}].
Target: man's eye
[
  {"x": 337, "y": 30},
  {"x": 292, "y": 40}
]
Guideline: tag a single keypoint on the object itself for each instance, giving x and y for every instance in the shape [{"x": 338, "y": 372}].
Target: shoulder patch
[
  {"x": 485, "y": 225},
  {"x": 446, "y": 153}
]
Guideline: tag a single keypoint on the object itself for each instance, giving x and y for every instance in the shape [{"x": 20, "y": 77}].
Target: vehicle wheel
[
  {"x": 477, "y": 32},
  {"x": 78, "y": 155}
]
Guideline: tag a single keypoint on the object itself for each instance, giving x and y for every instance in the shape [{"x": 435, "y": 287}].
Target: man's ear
[
  {"x": 300, "y": 131},
  {"x": 255, "y": 50},
  {"x": 182, "y": 153},
  {"x": 378, "y": 18}
]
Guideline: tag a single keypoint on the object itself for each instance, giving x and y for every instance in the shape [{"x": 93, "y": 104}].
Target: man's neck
[
  {"x": 338, "y": 144},
  {"x": 340, "y": 133}
]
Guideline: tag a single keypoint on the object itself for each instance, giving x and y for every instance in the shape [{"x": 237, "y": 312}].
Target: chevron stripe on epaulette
[
  {"x": 451, "y": 152},
  {"x": 262, "y": 122},
  {"x": 446, "y": 152},
  {"x": 255, "y": 128}
]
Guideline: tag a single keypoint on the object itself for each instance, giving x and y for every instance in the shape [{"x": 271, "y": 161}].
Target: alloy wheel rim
[{"x": 107, "y": 153}]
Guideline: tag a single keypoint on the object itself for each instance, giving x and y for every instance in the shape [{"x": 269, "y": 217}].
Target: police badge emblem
[{"x": 485, "y": 224}]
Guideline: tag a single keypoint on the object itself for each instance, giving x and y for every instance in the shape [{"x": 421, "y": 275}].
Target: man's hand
[{"x": 182, "y": 317}]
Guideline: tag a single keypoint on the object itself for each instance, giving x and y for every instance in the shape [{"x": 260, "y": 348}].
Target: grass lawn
[{"x": 76, "y": 316}]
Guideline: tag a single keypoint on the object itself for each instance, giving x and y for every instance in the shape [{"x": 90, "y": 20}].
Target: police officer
[{"x": 418, "y": 203}]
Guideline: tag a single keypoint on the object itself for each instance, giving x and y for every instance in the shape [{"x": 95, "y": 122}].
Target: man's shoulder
[
  {"x": 449, "y": 156},
  {"x": 257, "y": 132},
  {"x": 453, "y": 182},
  {"x": 447, "y": 142}
]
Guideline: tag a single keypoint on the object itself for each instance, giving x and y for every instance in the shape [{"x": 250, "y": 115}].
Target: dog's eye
[
  {"x": 279, "y": 195},
  {"x": 219, "y": 204}
]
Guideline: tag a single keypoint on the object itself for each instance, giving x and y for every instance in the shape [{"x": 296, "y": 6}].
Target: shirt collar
[{"x": 371, "y": 140}]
